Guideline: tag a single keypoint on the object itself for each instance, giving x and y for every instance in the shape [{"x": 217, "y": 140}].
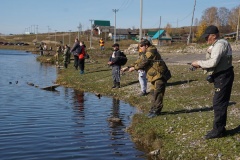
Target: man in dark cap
[
  {"x": 114, "y": 62},
  {"x": 218, "y": 65}
]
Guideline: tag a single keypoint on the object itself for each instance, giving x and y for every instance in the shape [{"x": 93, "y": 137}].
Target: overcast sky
[{"x": 17, "y": 16}]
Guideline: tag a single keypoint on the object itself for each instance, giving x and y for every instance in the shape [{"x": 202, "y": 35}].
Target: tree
[
  {"x": 168, "y": 28},
  {"x": 223, "y": 16},
  {"x": 233, "y": 18},
  {"x": 210, "y": 16},
  {"x": 201, "y": 28}
]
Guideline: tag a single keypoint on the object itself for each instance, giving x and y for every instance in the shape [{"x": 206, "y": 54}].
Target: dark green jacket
[{"x": 152, "y": 63}]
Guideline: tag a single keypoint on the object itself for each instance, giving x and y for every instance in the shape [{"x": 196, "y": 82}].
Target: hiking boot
[
  {"x": 223, "y": 131},
  {"x": 81, "y": 72},
  {"x": 213, "y": 134},
  {"x": 153, "y": 114},
  {"x": 118, "y": 85},
  {"x": 114, "y": 85}
]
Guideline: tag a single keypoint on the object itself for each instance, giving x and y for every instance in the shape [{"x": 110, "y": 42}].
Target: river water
[{"x": 64, "y": 124}]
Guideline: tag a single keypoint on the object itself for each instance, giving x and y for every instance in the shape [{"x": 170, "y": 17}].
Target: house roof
[
  {"x": 101, "y": 23},
  {"x": 158, "y": 34},
  {"x": 151, "y": 33}
]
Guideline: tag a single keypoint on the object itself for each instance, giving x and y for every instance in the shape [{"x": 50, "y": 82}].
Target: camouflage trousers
[{"x": 157, "y": 90}]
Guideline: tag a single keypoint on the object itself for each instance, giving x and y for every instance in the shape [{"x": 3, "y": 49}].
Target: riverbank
[{"x": 187, "y": 113}]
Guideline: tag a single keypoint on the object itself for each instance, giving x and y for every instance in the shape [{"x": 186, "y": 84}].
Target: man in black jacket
[
  {"x": 116, "y": 67},
  {"x": 74, "y": 51}
]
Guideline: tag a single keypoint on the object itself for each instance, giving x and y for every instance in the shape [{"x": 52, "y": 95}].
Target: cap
[
  {"x": 210, "y": 30},
  {"x": 115, "y": 45},
  {"x": 145, "y": 42}
]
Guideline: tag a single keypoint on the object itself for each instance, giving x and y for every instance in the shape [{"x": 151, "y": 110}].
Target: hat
[
  {"x": 210, "y": 30},
  {"x": 115, "y": 45},
  {"x": 145, "y": 42}
]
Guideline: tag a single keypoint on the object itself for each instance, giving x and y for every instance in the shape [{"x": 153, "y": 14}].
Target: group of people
[
  {"x": 218, "y": 65},
  {"x": 79, "y": 52}
]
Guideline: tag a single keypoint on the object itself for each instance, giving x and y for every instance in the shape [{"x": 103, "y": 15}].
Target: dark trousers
[
  {"x": 81, "y": 64},
  {"x": 76, "y": 62},
  {"x": 116, "y": 73},
  {"x": 223, "y": 86},
  {"x": 158, "y": 87}
]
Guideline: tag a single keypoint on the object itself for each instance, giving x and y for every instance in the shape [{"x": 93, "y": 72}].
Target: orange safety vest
[{"x": 101, "y": 42}]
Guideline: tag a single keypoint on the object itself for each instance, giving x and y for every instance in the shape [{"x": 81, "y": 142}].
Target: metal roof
[
  {"x": 101, "y": 23},
  {"x": 158, "y": 34}
]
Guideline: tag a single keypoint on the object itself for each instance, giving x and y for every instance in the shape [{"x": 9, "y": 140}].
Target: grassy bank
[{"x": 187, "y": 113}]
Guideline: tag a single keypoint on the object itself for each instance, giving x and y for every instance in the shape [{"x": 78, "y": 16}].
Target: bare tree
[
  {"x": 233, "y": 18},
  {"x": 168, "y": 28},
  {"x": 210, "y": 16},
  {"x": 222, "y": 21}
]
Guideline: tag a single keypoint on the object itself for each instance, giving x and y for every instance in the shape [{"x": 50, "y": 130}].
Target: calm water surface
[{"x": 65, "y": 124}]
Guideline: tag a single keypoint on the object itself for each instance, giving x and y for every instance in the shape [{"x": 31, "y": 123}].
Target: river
[{"x": 62, "y": 124}]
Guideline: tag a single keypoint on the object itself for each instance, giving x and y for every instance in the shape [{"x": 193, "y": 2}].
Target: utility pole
[
  {"x": 115, "y": 10},
  {"x": 91, "y": 20},
  {"x": 48, "y": 31},
  {"x": 79, "y": 30},
  {"x": 69, "y": 37},
  {"x": 55, "y": 36},
  {"x": 237, "y": 35},
  {"x": 189, "y": 36},
  {"x": 140, "y": 28},
  {"x": 36, "y": 33},
  {"x": 63, "y": 38},
  {"x": 159, "y": 30}
]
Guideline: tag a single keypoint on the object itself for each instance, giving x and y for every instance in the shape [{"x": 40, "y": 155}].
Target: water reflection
[
  {"x": 67, "y": 124},
  {"x": 79, "y": 103}
]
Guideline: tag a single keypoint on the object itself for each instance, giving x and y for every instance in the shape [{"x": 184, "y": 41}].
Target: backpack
[{"x": 122, "y": 59}]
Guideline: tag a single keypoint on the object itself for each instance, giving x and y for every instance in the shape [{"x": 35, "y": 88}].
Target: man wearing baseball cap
[
  {"x": 218, "y": 65},
  {"x": 116, "y": 67}
]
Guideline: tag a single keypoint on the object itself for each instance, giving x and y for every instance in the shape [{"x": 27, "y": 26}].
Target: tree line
[{"x": 225, "y": 19}]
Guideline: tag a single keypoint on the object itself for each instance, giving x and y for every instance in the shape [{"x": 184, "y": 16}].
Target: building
[
  {"x": 232, "y": 36},
  {"x": 160, "y": 37}
]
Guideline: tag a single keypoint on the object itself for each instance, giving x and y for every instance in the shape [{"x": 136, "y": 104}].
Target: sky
[{"x": 19, "y": 16}]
